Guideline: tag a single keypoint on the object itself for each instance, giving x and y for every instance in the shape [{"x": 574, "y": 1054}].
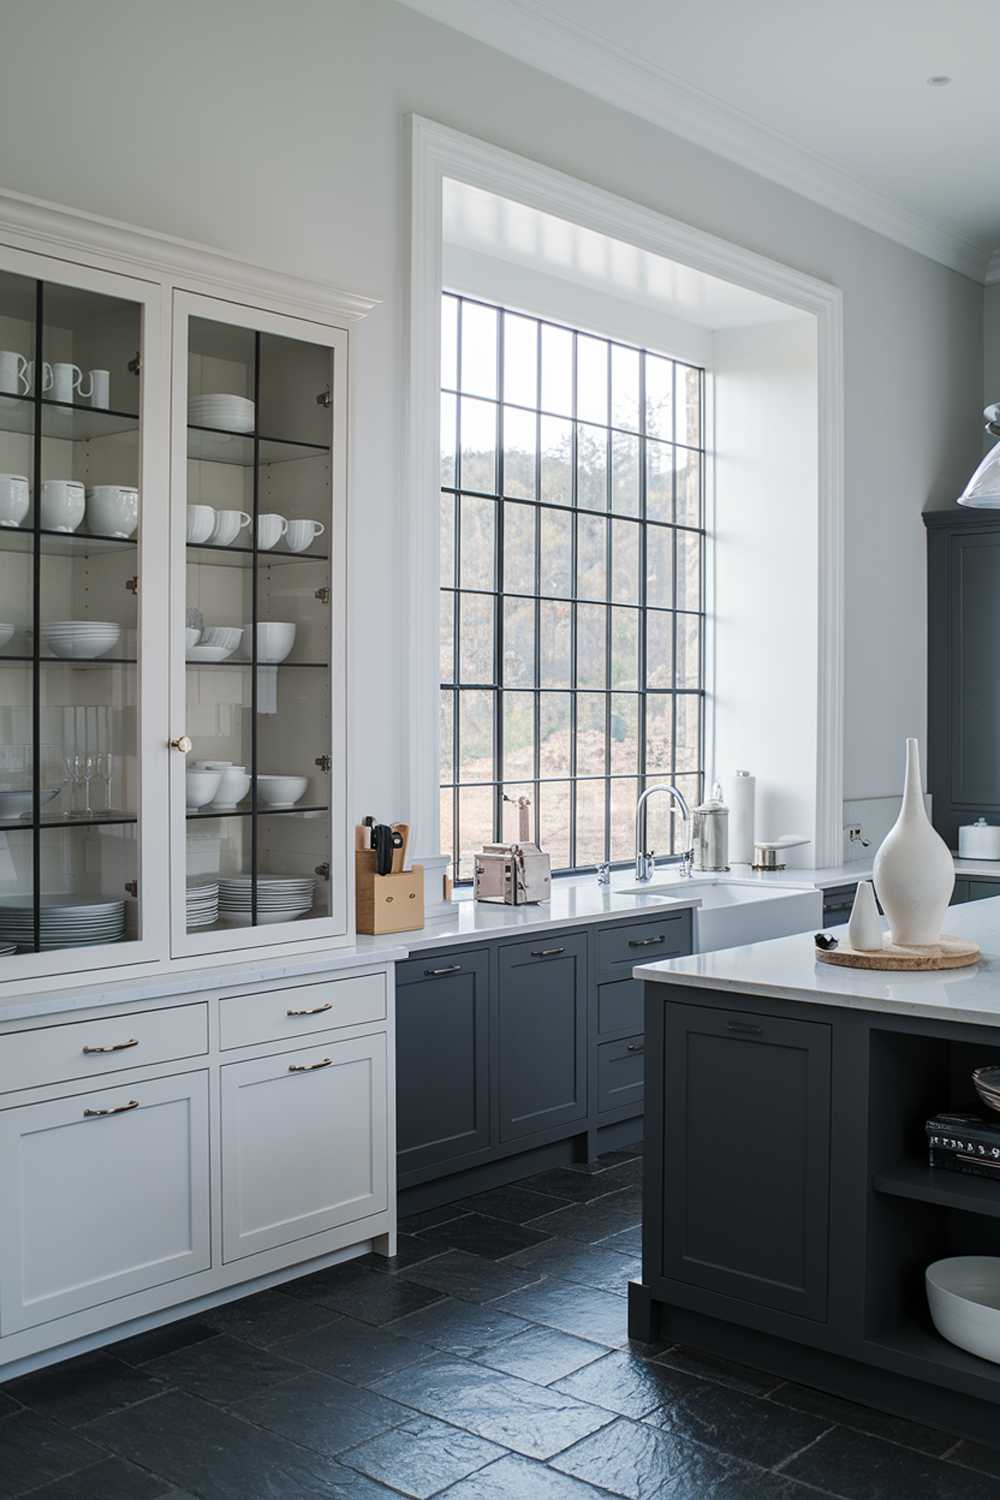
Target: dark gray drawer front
[
  {"x": 619, "y": 1008},
  {"x": 621, "y": 1073},
  {"x": 439, "y": 966},
  {"x": 620, "y": 948},
  {"x": 982, "y": 890}
]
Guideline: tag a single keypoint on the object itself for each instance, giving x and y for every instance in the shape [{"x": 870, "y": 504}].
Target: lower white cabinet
[
  {"x": 102, "y": 1195},
  {"x": 304, "y": 1143}
]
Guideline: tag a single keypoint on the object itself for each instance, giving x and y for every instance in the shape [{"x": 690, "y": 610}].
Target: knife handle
[{"x": 399, "y": 853}]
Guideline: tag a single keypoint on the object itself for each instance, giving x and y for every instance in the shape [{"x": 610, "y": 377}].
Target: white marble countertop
[{"x": 787, "y": 969}]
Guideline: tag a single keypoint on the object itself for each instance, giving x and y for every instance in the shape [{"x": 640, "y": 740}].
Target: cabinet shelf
[
  {"x": 62, "y": 543},
  {"x": 262, "y": 812},
  {"x": 232, "y": 662},
  {"x": 923, "y": 1184},
  {"x": 64, "y": 420},
  {"x": 216, "y": 445},
  {"x": 96, "y": 820},
  {"x": 69, "y": 661},
  {"x": 242, "y": 557}
]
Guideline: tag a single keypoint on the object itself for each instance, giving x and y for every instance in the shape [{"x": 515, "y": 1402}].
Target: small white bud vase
[
  {"x": 864, "y": 930},
  {"x": 914, "y": 872}
]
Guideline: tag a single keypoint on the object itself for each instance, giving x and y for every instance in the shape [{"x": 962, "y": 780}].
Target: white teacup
[
  {"x": 63, "y": 504},
  {"x": 15, "y": 497},
  {"x": 200, "y": 521},
  {"x": 228, "y": 525},
  {"x": 113, "y": 510},
  {"x": 270, "y": 530},
  {"x": 14, "y": 378},
  {"x": 67, "y": 380},
  {"x": 302, "y": 534}
]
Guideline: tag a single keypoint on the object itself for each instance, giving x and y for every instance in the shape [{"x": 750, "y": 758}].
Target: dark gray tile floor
[{"x": 489, "y": 1361}]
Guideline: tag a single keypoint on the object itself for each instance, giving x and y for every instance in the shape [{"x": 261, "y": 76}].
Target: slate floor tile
[
  {"x": 322, "y": 1413},
  {"x": 515, "y": 1203},
  {"x": 222, "y": 1370},
  {"x": 858, "y": 1467},
  {"x": 744, "y": 1426},
  {"x": 541, "y": 1355},
  {"x": 460, "y": 1328},
  {"x": 422, "y": 1456},
  {"x": 113, "y": 1479},
  {"x": 8, "y": 1404},
  {"x": 624, "y": 1174},
  {"x": 866, "y": 1419},
  {"x": 34, "y": 1451},
  {"x": 457, "y": 1273},
  {"x": 142, "y": 1347},
  {"x": 640, "y": 1463},
  {"x": 267, "y": 1318},
  {"x": 629, "y": 1241},
  {"x": 207, "y": 1451},
  {"x": 596, "y": 1221},
  {"x": 77, "y": 1390},
  {"x": 517, "y": 1478},
  {"x": 410, "y": 1251},
  {"x": 598, "y": 1316},
  {"x": 527, "y": 1418},
  {"x": 631, "y": 1386},
  {"x": 430, "y": 1217},
  {"x": 490, "y": 1238},
  {"x": 722, "y": 1371},
  {"x": 571, "y": 1184},
  {"x": 362, "y": 1293},
  {"x": 588, "y": 1265},
  {"x": 352, "y": 1351},
  {"x": 976, "y": 1456}
]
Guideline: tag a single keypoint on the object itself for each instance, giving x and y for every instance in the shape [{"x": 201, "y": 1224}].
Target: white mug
[
  {"x": 302, "y": 534},
  {"x": 270, "y": 530},
  {"x": 63, "y": 504},
  {"x": 200, "y": 521},
  {"x": 100, "y": 388},
  {"x": 67, "y": 380},
  {"x": 47, "y": 376},
  {"x": 113, "y": 510},
  {"x": 228, "y": 525},
  {"x": 15, "y": 497},
  {"x": 14, "y": 380}
]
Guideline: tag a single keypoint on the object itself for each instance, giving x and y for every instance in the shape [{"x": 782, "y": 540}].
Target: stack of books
[{"x": 964, "y": 1143}]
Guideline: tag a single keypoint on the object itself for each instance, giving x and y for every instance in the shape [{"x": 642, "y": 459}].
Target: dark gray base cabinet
[{"x": 542, "y": 1040}]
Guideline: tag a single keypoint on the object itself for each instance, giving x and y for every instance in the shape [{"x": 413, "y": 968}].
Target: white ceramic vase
[
  {"x": 864, "y": 930},
  {"x": 914, "y": 871}
]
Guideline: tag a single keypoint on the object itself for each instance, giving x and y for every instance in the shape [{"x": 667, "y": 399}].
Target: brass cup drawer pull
[
  {"x": 118, "y": 1109},
  {"x": 327, "y": 1062},
  {"x": 448, "y": 969},
  {"x": 646, "y": 942},
  {"x": 111, "y": 1047},
  {"x": 547, "y": 952},
  {"x": 315, "y": 1010}
]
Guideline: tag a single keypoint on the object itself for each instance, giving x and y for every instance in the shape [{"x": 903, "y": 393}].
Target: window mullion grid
[
  {"x": 608, "y": 619},
  {"x": 643, "y": 565},
  {"x": 673, "y": 600},
  {"x": 456, "y": 830},
  {"x": 536, "y": 696},
  {"x": 498, "y": 597},
  {"x": 574, "y": 496}
]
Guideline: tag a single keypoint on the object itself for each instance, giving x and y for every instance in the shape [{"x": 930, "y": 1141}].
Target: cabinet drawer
[
  {"x": 275, "y": 1015},
  {"x": 621, "y": 1074},
  {"x": 619, "y": 949},
  {"x": 89, "y": 1049},
  {"x": 440, "y": 965},
  {"x": 619, "y": 1007},
  {"x": 982, "y": 890}
]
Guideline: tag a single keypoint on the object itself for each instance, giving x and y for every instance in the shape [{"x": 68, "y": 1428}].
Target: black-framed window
[{"x": 572, "y": 570}]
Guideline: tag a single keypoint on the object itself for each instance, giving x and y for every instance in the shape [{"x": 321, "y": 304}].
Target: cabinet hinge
[
  {"x": 323, "y": 871},
  {"x": 323, "y": 595},
  {"x": 324, "y": 762},
  {"x": 132, "y": 888},
  {"x": 132, "y": 584},
  {"x": 135, "y": 365},
  {"x": 325, "y": 398}
]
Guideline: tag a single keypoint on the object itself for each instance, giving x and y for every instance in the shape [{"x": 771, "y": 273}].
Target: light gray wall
[
  {"x": 278, "y": 131},
  {"x": 991, "y": 348}
]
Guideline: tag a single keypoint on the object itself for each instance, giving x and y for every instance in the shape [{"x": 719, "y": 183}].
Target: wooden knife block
[{"x": 387, "y": 903}]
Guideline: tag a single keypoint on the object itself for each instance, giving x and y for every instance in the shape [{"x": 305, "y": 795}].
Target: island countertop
[{"x": 787, "y": 969}]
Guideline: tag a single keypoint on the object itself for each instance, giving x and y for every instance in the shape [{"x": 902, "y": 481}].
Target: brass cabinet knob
[{"x": 183, "y": 743}]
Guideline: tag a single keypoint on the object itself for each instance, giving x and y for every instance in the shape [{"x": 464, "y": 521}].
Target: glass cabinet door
[
  {"x": 72, "y": 455},
  {"x": 257, "y": 490}
]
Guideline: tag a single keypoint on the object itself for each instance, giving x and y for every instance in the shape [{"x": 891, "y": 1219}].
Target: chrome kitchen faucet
[{"x": 645, "y": 859}]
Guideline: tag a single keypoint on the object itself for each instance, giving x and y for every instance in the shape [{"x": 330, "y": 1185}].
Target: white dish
[
  {"x": 200, "y": 521},
  {"x": 81, "y": 640},
  {"x": 963, "y": 1293},
  {"x": 200, "y": 787},
  {"x": 18, "y": 804},
  {"x": 233, "y": 787},
  {"x": 227, "y": 527},
  {"x": 264, "y": 918},
  {"x": 275, "y": 639},
  {"x": 191, "y": 637},
  {"x": 281, "y": 791},
  {"x": 113, "y": 510},
  {"x": 227, "y": 636},
  {"x": 210, "y": 654}
]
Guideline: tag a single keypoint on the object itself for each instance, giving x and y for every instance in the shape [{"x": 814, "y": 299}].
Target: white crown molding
[
  {"x": 48, "y": 228},
  {"x": 569, "y": 51}
]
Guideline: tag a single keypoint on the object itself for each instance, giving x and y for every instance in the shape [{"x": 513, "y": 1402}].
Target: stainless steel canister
[{"x": 710, "y": 833}]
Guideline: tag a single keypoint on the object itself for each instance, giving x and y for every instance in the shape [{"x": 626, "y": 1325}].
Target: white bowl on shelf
[
  {"x": 81, "y": 640},
  {"x": 233, "y": 787},
  {"x": 17, "y": 804},
  {"x": 226, "y": 636},
  {"x": 281, "y": 791},
  {"x": 210, "y": 654},
  {"x": 275, "y": 639},
  {"x": 200, "y": 523},
  {"x": 191, "y": 637},
  {"x": 963, "y": 1292},
  {"x": 200, "y": 787}
]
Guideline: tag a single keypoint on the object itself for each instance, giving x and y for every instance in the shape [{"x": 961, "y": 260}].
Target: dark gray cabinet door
[
  {"x": 542, "y": 1034},
  {"x": 442, "y": 1059},
  {"x": 747, "y": 1156}
]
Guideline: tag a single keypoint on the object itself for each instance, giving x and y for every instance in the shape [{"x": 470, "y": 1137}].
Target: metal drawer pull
[
  {"x": 112, "y": 1047},
  {"x": 547, "y": 952},
  {"x": 327, "y": 1062},
  {"x": 448, "y": 969},
  {"x": 741, "y": 1026},
  {"x": 646, "y": 942},
  {"x": 635, "y": 1046},
  {"x": 118, "y": 1109},
  {"x": 316, "y": 1010}
]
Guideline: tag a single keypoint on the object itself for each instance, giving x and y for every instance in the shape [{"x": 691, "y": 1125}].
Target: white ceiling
[
  {"x": 476, "y": 220},
  {"x": 830, "y": 100}
]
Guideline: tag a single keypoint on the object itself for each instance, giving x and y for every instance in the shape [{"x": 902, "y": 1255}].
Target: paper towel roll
[{"x": 741, "y": 804}]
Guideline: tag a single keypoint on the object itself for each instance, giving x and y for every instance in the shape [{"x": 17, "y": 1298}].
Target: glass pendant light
[{"x": 983, "y": 489}]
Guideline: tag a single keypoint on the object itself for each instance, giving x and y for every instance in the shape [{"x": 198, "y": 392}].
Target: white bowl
[
  {"x": 113, "y": 510},
  {"x": 210, "y": 654},
  {"x": 227, "y": 636},
  {"x": 233, "y": 787},
  {"x": 191, "y": 638},
  {"x": 281, "y": 791},
  {"x": 275, "y": 639},
  {"x": 81, "y": 640},
  {"x": 200, "y": 521},
  {"x": 963, "y": 1292},
  {"x": 200, "y": 787},
  {"x": 18, "y": 804}
]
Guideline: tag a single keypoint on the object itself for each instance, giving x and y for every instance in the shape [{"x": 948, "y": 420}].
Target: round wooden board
[{"x": 946, "y": 953}]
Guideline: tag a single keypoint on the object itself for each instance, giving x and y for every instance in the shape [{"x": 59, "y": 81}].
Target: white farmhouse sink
[{"x": 735, "y": 912}]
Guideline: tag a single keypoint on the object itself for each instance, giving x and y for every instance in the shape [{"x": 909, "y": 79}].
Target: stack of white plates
[
  {"x": 987, "y": 1084},
  {"x": 279, "y": 898},
  {"x": 231, "y": 413},
  {"x": 80, "y": 640},
  {"x": 202, "y": 904},
  {"x": 67, "y": 922}
]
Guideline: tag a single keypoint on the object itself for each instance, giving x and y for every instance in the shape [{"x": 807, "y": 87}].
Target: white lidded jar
[{"x": 914, "y": 872}]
